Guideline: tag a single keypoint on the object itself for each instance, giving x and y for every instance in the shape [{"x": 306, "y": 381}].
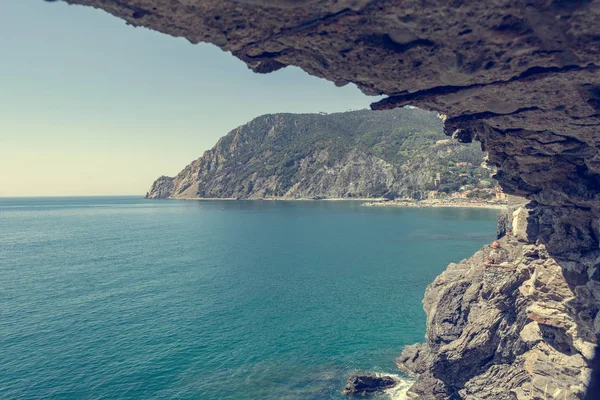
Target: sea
[{"x": 127, "y": 298}]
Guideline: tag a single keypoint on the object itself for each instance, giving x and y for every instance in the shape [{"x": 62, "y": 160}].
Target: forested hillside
[{"x": 357, "y": 154}]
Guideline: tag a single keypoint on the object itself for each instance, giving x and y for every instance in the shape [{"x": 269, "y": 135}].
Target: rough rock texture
[
  {"x": 516, "y": 322},
  {"x": 369, "y": 383},
  {"x": 340, "y": 155},
  {"x": 521, "y": 77}
]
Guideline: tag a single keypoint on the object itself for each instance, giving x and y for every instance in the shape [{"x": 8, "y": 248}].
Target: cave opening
[{"x": 520, "y": 79}]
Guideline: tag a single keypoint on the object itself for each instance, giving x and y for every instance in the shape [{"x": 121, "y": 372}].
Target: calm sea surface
[{"x": 125, "y": 298}]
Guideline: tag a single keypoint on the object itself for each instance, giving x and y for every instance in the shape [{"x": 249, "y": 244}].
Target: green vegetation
[{"x": 397, "y": 153}]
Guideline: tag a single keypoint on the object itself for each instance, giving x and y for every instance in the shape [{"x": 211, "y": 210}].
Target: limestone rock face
[{"x": 515, "y": 322}]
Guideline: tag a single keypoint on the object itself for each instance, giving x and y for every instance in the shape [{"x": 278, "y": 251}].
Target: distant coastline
[
  {"x": 373, "y": 202},
  {"x": 437, "y": 204},
  {"x": 357, "y": 155},
  {"x": 367, "y": 199}
]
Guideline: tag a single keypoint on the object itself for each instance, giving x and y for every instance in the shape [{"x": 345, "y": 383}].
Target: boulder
[{"x": 369, "y": 383}]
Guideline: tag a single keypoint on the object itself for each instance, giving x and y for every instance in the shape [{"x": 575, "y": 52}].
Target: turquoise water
[{"x": 106, "y": 298}]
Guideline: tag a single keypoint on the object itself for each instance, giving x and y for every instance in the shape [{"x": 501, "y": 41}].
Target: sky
[{"x": 92, "y": 106}]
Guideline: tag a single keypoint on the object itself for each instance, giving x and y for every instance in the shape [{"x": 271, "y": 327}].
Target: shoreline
[
  {"x": 367, "y": 202},
  {"x": 436, "y": 204},
  {"x": 367, "y": 199}
]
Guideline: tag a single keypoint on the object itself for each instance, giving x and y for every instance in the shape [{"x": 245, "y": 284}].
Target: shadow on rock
[{"x": 517, "y": 320}]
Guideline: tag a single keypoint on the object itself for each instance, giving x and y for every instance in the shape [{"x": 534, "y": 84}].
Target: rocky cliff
[
  {"x": 521, "y": 77},
  {"x": 518, "y": 319},
  {"x": 358, "y": 154}
]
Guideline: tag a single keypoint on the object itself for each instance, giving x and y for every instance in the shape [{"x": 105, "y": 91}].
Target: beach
[{"x": 436, "y": 203}]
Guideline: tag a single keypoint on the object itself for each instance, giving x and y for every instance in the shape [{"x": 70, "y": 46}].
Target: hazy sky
[{"x": 89, "y": 105}]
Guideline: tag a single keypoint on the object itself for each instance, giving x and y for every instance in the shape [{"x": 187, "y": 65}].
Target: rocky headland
[{"x": 351, "y": 155}]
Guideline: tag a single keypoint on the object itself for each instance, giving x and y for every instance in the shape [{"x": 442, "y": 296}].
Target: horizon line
[{"x": 74, "y": 195}]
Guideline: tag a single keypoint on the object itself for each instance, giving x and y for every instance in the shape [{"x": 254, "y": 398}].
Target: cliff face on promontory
[{"x": 357, "y": 154}]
